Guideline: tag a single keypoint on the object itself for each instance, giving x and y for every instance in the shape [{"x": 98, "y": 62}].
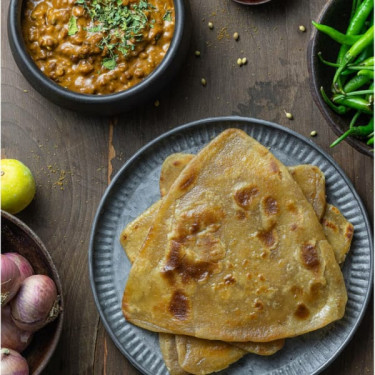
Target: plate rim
[{"x": 197, "y": 123}]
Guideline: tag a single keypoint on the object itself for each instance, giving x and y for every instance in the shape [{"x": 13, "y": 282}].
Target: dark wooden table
[{"x": 73, "y": 156}]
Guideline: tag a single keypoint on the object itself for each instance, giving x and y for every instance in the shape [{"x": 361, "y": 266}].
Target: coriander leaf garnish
[
  {"x": 122, "y": 26},
  {"x": 72, "y": 26},
  {"x": 167, "y": 16},
  {"x": 109, "y": 63}
]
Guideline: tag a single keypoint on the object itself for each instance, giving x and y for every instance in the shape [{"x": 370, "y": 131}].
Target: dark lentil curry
[{"x": 98, "y": 46}]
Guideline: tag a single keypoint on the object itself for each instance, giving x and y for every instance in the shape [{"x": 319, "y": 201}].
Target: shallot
[
  {"x": 10, "y": 279},
  {"x": 36, "y": 303},
  {"x": 22, "y": 263},
  {"x": 11, "y": 336},
  {"x": 12, "y": 363}
]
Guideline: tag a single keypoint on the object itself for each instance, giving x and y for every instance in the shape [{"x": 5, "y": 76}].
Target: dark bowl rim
[
  {"x": 314, "y": 89},
  {"x": 31, "y": 234},
  {"x": 16, "y": 37}
]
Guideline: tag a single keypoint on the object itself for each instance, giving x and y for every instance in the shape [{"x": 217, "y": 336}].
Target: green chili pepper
[
  {"x": 355, "y": 50},
  {"x": 370, "y": 142},
  {"x": 365, "y": 65},
  {"x": 359, "y": 131},
  {"x": 360, "y": 17},
  {"x": 353, "y": 93},
  {"x": 355, "y": 103},
  {"x": 341, "y": 110},
  {"x": 356, "y": 24},
  {"x": 355, "y": 6},
  {"x": 336, "y": 35},
  {"x": 367, "y": 62},
  {"x": 366, "y": 73},
  {"x": 355, "y": 83}
]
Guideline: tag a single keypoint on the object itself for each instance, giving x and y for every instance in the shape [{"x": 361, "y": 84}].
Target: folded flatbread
[
  {"x": 236, "y": 253},
  {"x": 169, "y": 351},
  {"x": 337, "y": 229},
  {"x": 199, "y": 357}
]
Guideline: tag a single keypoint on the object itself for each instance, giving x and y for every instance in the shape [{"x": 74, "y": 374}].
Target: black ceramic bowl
[
  {"x": 336, "y": 13},
  {"x": 19, "y": 238},
  {"x": 102, "y": 104}
]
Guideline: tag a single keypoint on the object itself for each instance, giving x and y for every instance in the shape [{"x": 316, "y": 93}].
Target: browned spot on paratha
[
  {"x": 187, "y": 269},
  {"x": 241, "y": 215},
  {"x": 229, "y": 279},
  {"x": 310, "y": 257},
  {"x": 349, "y": 231},
  {"x": 291, "y": 207},
  {"x": 270, "y": 206},
  {"x": 315, "y": 290},
  {"x": 330, "y": 225},
  {"x": 179, "y": 305},
  {"x": 268, "y": 238},
  {"x": 245, "y": 195},
  {"x": 258, "y": 305},
  {"x": 274, "y": 167},
  {"x": 302, "y": 312},
  {"x": 201, "y": 219}
]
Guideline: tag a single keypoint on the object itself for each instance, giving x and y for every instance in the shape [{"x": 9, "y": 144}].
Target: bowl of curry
[{"x": 99, "y": 56}]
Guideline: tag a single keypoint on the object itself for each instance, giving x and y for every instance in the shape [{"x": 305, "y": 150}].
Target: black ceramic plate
[{"x": 136, "y": 187}]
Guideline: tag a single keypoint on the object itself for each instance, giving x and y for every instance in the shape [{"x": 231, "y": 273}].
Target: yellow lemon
[{"x": 17, "y": 186}]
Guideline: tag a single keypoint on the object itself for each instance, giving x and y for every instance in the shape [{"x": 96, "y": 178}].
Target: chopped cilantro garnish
[
  {"x": 122, "y": 25},
  {"x": 168, "y": 16},
  {"x": 109, "y": 63},
  {"x": 72, "y": 26}
]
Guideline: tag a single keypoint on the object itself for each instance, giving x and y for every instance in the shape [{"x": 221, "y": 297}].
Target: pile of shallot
[{"x": 28, "y": 303}]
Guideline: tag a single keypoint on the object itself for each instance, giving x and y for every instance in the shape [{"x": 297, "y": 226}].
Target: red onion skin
[
  {"x": 10, "y": 279},
  {"x": 22, "y": 263},
  {"x": 34, "y": 303},
  {"x": 11, "y": 336},
  {"x": 12, "y": 363}
]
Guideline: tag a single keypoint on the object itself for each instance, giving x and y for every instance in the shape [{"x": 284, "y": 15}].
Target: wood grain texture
[{"x": 73, "y": 156}]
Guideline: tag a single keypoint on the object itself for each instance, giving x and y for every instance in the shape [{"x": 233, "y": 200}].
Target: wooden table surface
[{"x": 73, "y": 156}]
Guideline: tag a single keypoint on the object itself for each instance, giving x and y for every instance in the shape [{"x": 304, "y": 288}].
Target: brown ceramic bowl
[
  {"x": 19, "y": 238},
  {"x": 336, "y": 13}
]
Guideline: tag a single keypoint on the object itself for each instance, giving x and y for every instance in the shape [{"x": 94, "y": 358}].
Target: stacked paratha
[{"x": 235, "y": 252}]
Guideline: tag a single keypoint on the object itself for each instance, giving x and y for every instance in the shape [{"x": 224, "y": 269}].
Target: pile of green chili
[{"x": 353, "y": 83}]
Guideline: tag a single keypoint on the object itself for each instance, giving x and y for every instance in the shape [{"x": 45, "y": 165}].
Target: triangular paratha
[{"x": 236, "y": 253}]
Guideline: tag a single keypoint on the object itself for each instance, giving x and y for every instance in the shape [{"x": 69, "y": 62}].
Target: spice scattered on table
[
  {"x": 241, "y": 61},
  {"x": 210, "y": 25},
  {"x": 197, "y": 53},
  {"x": 313, "y": 133},
  {"x": 203, "y": 82},
  {"x": 236, "y": 36},
  {"x": 302, "y": 28},
  {"x": 156, "y": 103},
  {"x": 288, "y": 115}
]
